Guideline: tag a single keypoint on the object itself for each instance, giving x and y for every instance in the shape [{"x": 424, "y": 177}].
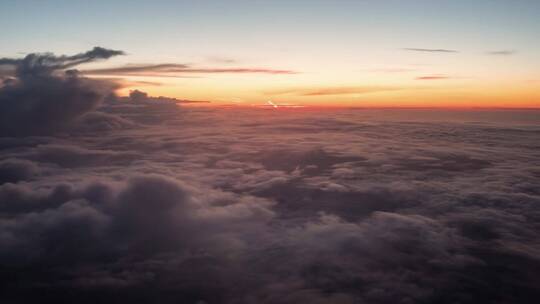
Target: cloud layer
[{"x": 155, "y": 205}]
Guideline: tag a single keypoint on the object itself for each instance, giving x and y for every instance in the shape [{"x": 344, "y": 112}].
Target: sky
[
  {"x": 281, "y": 164},
  {"x": 331, "y": 53}
]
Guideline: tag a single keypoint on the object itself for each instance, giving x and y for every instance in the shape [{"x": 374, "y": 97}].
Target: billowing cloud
[
  {"x": 44, "y": 97},
  {"x": 13, "y": 170},
  {"x": 431, "y": 50}
]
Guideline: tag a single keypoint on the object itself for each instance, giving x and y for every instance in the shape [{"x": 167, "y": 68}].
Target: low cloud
[
  {"x": 13, "y": 170},
  {"x": 256, "y": 206}
]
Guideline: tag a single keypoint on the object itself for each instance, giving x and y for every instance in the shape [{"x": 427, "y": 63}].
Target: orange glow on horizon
[{"x": 479, "y": 96}]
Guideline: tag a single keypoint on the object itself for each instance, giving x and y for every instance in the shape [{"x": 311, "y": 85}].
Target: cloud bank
[{"x": 264, "y": 206}]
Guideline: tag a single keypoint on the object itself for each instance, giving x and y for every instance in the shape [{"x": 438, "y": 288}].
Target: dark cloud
[
  {"x": 14, "y": 170},
  {"x": 75, "y": 156},
  {"x": 44, "y": 64},
  {"x": 140, "y": 97},
  {"x": 137, "y": 108},
  {"x": 44, "y": 97},
  {"x": 303, "y": 160},
  {"x": 98, "y": 122},
  {"x": 431, "y": 50},
  {"x": 144, "y": 203},
  {"x": 106, "y": 228}
]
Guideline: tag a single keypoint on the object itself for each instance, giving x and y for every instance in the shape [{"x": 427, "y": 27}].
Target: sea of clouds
[{"x": 107, "y": 200}]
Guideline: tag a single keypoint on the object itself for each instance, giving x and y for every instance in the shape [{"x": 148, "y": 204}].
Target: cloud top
[
  {"x": 46, "y": 95},
  {"x": 44, "y": 64}
]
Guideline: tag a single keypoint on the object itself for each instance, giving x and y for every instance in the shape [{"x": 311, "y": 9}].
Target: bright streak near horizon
[{"x": 272, "y": 104}]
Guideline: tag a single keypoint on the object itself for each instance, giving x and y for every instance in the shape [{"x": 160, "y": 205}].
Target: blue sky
[{"x": 70, "y": 25}]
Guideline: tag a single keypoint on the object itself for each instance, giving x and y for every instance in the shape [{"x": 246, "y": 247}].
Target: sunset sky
[
  {"x": 481, "y": 53},
  {"x": 270, "y": 152}
]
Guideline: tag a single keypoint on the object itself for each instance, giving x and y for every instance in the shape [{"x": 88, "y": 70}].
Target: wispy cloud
[
  {"x": 193, "y": 101},
  {"x": 143, "y": 68},
  {"x": 335, "y": 90},
  {"x": 219, "y": 59},
  {"x": 433, "y": 77},
  {"x": 502, "y": 52},
  {"x": 431, "y": 50},
  {"x": 392, "y": 70},
  {"x": 123, "y": 83},
  {"x": 176, "y": 70}
]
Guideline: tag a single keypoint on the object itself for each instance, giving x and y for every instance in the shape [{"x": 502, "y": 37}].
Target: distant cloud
[
  {"x": 393, "y": 70},
  {"x": 140, "y": 97},
  {"x": 193, "y": 101},
  {"x": 433, "y": 77},
  {"x": 335, "y": 90},
  {"x": 137, "y": 69},
  {"x": 173, "y": 69},
  {"x": 239, "y": 70},
  {"x": 431, "y": 50},
  {"x": 123, "y": 83},
  {"x": 502, "y": 52},
  {"x": 219, "y": 59},
  {"x": 45, "y": 63}
]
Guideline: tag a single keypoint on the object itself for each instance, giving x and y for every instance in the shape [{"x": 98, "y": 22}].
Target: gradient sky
[{"x": 481, "y": 53}]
